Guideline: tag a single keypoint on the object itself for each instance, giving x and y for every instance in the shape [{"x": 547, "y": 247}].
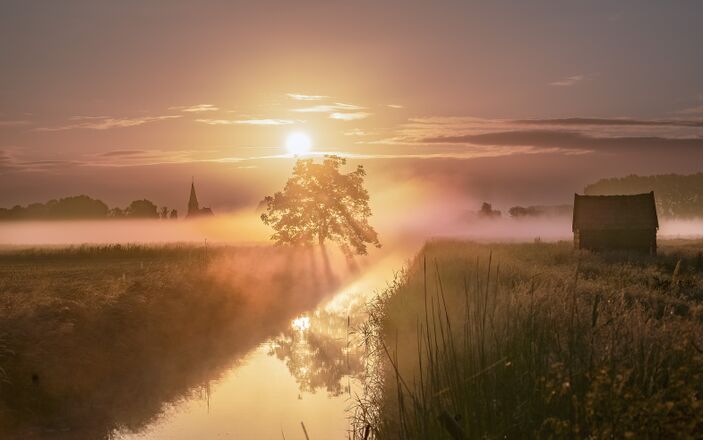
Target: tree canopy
[{"x": 320, "y": 203}]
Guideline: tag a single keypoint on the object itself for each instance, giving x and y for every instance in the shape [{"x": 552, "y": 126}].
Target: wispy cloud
[
  {"x": 568, "y": 141},
  {"x": 417, "y": 129},
  {"x": 14, "y": 160},
  {"x": 198, "y": 108},
  {"x": 10, "y": 161},
  {"x": 247, "y": 121},
  {"x": 105, "y": 122},
  {"x": 123, "y": 153},
  {"x": 569, "y": 81},
  {"x": 15, "y": 123},
  {"x": 349, "y": 116},
  {"x": 395, "y": 106},
  {"x": 302, "y": 97},
  {"x": 695, "y": 111},
  {"x": 328, "y": 108},
  {"x": 141, "y": 157},
  {"x": 357, "y": 132},
  {"x": 612, "y": 122}
]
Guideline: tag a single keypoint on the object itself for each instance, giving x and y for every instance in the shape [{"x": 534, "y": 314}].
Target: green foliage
[
  {"x": 676, "y": 196},
  {"x": 320, "y": 203},
  {"x": 537, "y": 341}
]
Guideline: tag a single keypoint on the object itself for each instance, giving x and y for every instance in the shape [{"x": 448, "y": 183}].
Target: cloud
[
  {"x": 7, "y": 162},
  {"x": 611, "y": 121},
  {"x": 696, "y": 110},
  {"x": 10, "y": 162},
  {"x": 302, "y": 97},
  {"x": 416, "y": 130},
  {"x": 350, "y": 116},
  {"x": 574, "y": 141},
  {"x": 356, "y": 132},
  {"x": 15, "y": 123},
  {"x": 196, "y": 108},
  {"x": 569, "y": 81},
  {"x": 141, "y": 157},
  {"x": 105, "y": 122},
  {"x": 396, "y": 106},
  {"x": 247, "y": 121},
  {"x": 123, "y": 153},
  {"x": 328, "y": 108},
  {"x": 468, "y": 152}
]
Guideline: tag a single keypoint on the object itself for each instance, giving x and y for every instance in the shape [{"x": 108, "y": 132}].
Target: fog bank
[{"x": 408, "y": 214}]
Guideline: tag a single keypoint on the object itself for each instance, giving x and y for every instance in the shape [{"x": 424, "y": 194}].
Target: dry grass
[
  {"x": 98, "y": 339},
  {"x": 537, "y": 341}
]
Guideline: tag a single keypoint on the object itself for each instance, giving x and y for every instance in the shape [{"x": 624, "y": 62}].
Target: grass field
[
  {"x": 536, "y": 341},
  {"x": 94, "y": 339}
]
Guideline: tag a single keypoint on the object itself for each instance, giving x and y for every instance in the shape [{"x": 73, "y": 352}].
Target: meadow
[
  {"x": 481, "y": 341},
  {"x": 100, "y": 339}
]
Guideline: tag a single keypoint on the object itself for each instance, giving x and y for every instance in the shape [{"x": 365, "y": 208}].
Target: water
[{"x": 309, "y": 373}]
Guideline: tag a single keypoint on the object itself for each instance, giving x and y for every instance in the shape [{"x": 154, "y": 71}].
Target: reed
[{"x": 535, "y": 341}]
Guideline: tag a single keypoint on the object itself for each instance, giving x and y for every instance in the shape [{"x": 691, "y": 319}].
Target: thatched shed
[{"x": 628, "y": 222}]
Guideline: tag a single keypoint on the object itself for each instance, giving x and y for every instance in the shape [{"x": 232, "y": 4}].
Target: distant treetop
[
  {"x": 676, "y": 196},
  {"x": 81, "y": 207}
]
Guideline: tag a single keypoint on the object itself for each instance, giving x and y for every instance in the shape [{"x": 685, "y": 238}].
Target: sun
[{"x": 298, "y": 143}]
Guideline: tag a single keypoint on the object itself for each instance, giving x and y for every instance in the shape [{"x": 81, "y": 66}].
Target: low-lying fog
[
  {"x": 405, "y": 213},
  {"x": 246, "y": 228}
]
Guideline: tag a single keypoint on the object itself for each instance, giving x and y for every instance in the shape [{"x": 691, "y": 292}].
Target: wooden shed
[{"x": 624, "y": 222}]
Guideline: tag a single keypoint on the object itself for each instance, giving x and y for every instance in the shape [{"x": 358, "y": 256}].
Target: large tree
[{"x": 320, "y": 203}]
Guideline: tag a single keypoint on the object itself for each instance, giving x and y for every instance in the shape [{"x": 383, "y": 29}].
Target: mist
[
  {"x": 245, "y": 228},
  {"x": 409, "y": 213}
]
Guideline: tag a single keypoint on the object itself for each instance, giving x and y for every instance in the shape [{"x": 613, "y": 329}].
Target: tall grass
[
  {"x": 516, "y": 341},
  {"x": 100, "y": 339}
]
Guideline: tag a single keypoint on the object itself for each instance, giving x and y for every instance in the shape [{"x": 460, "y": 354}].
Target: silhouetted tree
[
  {"x": 116, "y": 213},
  {"x": 142, "y": 209},
  {"x": 518, "y": 211},
  {"x": 487, "y": 211},
  {"x": 540, "y": 211},
  {"x": 83, "y": 207},
  {"x": 69, "y": 208},
  {"x": 174, "y": 214},
  {"x": 319, "y": 203}
]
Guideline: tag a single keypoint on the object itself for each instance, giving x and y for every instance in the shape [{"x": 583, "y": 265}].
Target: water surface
[{"x": 309, "y": 373}]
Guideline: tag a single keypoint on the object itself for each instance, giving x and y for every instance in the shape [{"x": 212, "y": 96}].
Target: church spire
[{"x": 193, "y": 207}]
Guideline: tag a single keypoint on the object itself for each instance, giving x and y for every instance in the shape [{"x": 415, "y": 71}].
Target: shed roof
[{"x": 615, "y": 212}]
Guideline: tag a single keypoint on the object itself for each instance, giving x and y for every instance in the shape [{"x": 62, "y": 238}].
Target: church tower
[{"x": 193, "y": 208}]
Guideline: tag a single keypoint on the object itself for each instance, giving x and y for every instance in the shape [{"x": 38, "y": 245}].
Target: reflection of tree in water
[
  {"x": 101, "y": 340},
  {"x": 321, "y": 350}
]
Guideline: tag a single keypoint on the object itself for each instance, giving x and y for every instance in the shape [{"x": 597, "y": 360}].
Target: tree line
[
  {"x": 676, "y": 196},
  {"x": 86, "y": 208}
]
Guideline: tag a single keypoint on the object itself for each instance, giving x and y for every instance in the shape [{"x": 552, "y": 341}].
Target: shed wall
[{"x": 641, "y": 240}]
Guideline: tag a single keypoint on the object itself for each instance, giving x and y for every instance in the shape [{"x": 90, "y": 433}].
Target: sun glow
[
  {"x": 302, "y": 323},
  {"x": 298, "y": 143}
]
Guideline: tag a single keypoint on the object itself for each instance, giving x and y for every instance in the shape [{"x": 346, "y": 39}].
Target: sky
[{"x": 511, "y": 102}]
